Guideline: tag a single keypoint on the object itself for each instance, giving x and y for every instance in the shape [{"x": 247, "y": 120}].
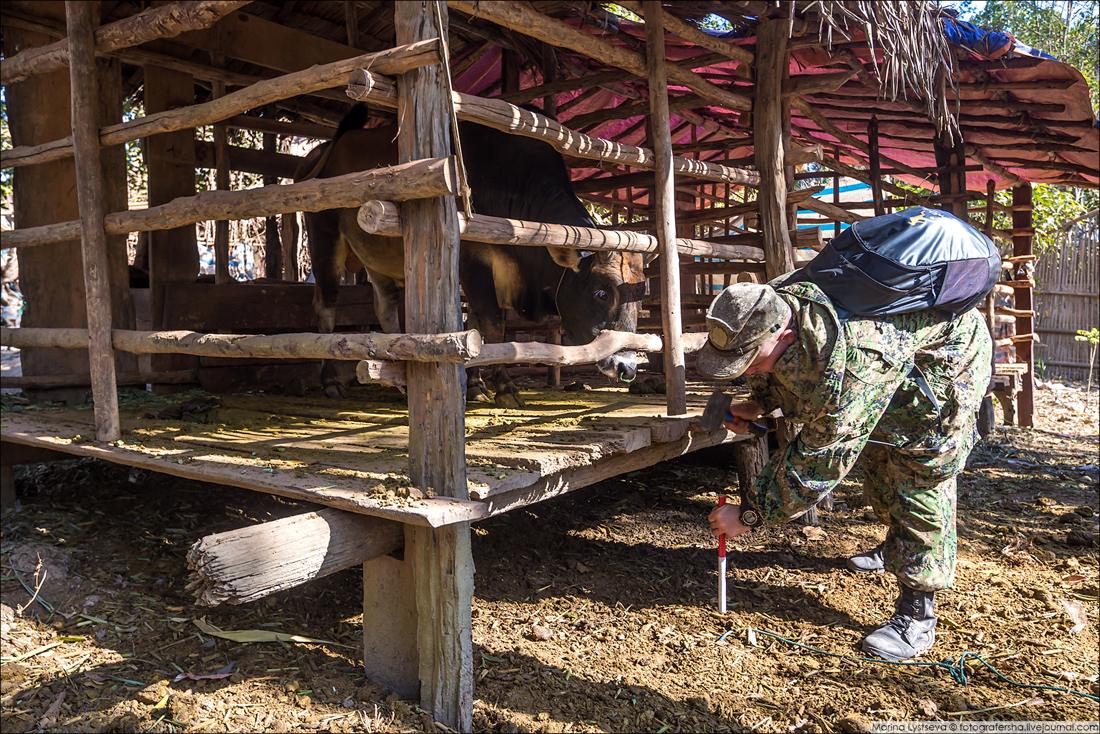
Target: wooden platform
[{"x": 352, "y": 454}]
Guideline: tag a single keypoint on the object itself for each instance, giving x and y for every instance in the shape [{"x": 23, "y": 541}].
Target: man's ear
[
  {"x": 788, "y": 337},
  {"x": 567, "y": 257}
]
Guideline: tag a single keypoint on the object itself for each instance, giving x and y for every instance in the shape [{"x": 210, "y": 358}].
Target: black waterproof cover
[{"x": 910, "y": 260}]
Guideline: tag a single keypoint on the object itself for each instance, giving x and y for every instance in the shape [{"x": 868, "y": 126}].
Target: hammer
[{"x": 718, "y": 411}]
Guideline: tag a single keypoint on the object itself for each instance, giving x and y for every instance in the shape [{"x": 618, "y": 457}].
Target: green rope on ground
[{"x": 957, "y": 670}]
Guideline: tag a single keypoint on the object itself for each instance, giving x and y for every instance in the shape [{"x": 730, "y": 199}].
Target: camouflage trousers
[{"x": 911, "y": 485}]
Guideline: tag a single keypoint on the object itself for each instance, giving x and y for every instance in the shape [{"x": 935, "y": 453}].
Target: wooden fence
[{"x": 1068, "y": 298}]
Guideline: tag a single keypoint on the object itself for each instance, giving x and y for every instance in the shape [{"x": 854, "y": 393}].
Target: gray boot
[
  {"x": 871, "y": 561},
  {"x": 911, "y": 630}
]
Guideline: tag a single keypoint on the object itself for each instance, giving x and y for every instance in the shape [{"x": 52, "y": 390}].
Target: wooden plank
[
  {"x": 81, "y": 20},
  {"x": 582, "y": 476},
  {"x": 69, "y": 436}
]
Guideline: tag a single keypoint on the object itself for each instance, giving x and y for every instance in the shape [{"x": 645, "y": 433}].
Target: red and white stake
[{"x": 722, "y": 566}]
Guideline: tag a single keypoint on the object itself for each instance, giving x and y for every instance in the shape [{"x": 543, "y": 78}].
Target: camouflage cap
[{"x": 740, "y": 319}]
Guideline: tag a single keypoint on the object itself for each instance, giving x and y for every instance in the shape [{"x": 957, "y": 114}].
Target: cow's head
[{"x": 600, "y": 291}]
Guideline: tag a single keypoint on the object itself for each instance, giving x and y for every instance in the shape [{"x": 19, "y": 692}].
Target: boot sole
[
  {"x": 866, "y": 570},
  {"x": 890, "y": 658}
]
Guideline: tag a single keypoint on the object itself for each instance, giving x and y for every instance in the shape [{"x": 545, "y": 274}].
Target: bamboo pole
[
  {"x": 81, "y": 20},
  {"x": 665, "y": 197},
  {"x": 391, "y": 61},
  {"x": 528, "y": 21},
  {"x": 382, "y": 218},
  {"x": 163, "y": 22},
  {"x": 451, "y": 348},
  {"x": 419, "y": 179}
]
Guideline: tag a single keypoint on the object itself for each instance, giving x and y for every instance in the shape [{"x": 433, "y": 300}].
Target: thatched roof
[{"x": 1021, "y": 117}]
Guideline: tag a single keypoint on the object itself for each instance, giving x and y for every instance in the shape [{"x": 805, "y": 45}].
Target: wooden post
[
  {"x": 771, "y": 68},
  {"x": 221, "y": 182},
  {"x": 273, "y": 245},
  {"x": 951, "y": 159},
  {"x": 1021, "y": 245},
  {"x": 81, "y": 21},
  {"x": 665, "y": 210},
  {"x": 876, "y": 166},
  {"x": 433, "y": 587},
  {"x": 170, "y": 158},
  {"x": 289, "y": 237}
]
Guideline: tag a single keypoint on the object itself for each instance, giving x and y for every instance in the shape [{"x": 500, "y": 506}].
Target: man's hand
[
  {"x": 742, "y": 414},
  {"x": 726, "y": 519}
]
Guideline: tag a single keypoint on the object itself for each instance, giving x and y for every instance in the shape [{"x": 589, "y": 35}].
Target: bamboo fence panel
[{"x": 1067, "y": 298}]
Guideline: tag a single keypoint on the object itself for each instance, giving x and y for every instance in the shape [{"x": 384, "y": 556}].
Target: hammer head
[{"x": 715, "y": 413}]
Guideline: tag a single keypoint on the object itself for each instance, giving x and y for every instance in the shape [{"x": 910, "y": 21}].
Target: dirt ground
[{"x": 595, "y": 611}]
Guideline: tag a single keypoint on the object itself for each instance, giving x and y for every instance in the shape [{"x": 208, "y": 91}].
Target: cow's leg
[
  {"x": 328, "y": 251},
  {"x": 387, "y": 301},
  {"x": 506, "y": 394},
  {"x": 476, "y": 392}
]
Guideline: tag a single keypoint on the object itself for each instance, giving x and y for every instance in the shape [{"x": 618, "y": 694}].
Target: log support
[
  {"x": 245, "y": 565},
  {"x": 417, "y": 628},
  {"x": 82, "y": 18},
  {"x": 768, "y": 114},
  {"x": 665, "y": 192}
]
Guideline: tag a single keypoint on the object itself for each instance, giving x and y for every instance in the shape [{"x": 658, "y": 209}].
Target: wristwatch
[{"x": 749, "y": 516}]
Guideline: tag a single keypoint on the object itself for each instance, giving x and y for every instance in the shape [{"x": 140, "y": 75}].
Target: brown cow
[{"x": 510, "y": 176}]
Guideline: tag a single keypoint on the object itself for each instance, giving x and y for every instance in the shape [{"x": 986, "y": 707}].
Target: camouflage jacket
[{"x": 838, "y": 379}]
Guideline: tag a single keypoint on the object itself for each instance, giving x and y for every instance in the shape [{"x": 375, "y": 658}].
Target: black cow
[{"x": 511, "y": 176}]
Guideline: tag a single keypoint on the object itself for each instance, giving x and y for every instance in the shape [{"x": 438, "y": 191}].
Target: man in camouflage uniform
[{"x": 902, "y": 390}]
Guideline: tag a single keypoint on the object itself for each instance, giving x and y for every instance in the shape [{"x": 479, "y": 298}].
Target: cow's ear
[
  {"x": 649, "y": 257},
  {"x": 567, "y": 257}
]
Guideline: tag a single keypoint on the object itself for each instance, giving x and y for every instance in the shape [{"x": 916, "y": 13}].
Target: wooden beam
[
  {"x": 163, "y": 22},
  {"x": 245, "y": 565},
  {"x": 382, "y": 218},
  {"x": 511, "y": 119},
  {"x": 261, "y": 93},
  {"x": 528, "y": 21},
  {"x": 410, "y": 180},
  {"x": 690, "y": 33},
  {"x": 832, "y": 211},
  {"x": 450, "y": 348},
  {"x": 602, "y": 347}
]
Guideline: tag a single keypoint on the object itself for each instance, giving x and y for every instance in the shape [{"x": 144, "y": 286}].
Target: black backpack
[{"x": 907, "y": 261}]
